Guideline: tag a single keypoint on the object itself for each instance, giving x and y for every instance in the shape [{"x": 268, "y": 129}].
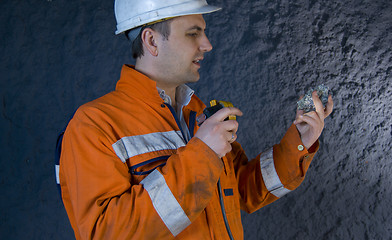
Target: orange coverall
[{"x": 127, "y": 171}]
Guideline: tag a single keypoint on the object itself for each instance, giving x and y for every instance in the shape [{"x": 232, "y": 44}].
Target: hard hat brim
[{"x": 139, "y": 21}]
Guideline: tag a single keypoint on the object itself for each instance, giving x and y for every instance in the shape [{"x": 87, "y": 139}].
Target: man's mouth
[{"x": 197, "y": 61}]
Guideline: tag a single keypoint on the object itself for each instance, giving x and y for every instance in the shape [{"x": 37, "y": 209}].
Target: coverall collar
[
  {"x": 136, "y": 84},
  {"x": 133, "y": 83},
  {"x": 183, "y": 95}
]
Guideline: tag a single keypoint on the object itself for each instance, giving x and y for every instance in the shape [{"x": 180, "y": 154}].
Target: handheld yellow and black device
[{"x": 215, "y": 106}]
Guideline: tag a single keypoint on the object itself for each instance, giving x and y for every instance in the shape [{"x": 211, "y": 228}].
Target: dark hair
[{"x": 137, "y": 45}]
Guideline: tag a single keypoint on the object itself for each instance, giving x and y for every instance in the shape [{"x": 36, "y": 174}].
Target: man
[{"x": 134, "y": 163}]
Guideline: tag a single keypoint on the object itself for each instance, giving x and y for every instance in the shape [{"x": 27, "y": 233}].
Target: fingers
[
  {"x": 223, "y": 113},
  {"x": 229, "y": 125},
  {"x": 329, "y": 107},
  {"x": 232, "y": 137},
  {"x": 318, "y": 105},
  {"x": 321, "y": 111},
  {"x": 217, "y": 133},
  {"x": 299, "y": 113},
  {"x": 310, "y": 125},
  {"x": 311, "y": 118}
]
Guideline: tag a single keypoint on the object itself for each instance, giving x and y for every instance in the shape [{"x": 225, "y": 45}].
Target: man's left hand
[{"x": 311, "y": 124}]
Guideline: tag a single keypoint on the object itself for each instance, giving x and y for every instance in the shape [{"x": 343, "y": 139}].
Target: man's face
[{"x": 179, "y": 57}]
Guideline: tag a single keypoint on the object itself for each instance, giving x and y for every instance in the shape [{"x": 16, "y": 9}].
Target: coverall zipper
[
  {"x": 223, "y": 211},
  {"x": 173, "y": 112}
]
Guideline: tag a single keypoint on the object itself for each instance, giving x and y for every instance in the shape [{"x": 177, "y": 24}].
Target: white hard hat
[{"x": 135, "y": 13}]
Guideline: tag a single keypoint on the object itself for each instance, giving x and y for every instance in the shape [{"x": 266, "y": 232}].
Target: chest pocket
[
  {"x": 141, "y": 170},
  {"x": 144, "y": 153},
  {"x": 229, "y": 188},
  {"x": 145, "y": 168}
]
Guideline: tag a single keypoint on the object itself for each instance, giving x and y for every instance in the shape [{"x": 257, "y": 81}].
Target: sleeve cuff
[{"x": 292, "y": 159}]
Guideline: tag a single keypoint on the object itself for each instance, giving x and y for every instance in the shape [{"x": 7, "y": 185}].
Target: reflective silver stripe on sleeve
[
  {"x": 128, "y": 147},
  {"x": 165, "y": 203},
  {"x": 57, "y": 169},
  {"x": 270, "y": 176}
]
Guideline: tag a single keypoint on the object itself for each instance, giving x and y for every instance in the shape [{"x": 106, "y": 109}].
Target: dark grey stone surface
[{"x": 57, "y": 55}]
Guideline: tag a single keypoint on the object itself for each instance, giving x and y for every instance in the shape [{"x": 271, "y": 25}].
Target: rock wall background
[{"x": 57, "y": 55}]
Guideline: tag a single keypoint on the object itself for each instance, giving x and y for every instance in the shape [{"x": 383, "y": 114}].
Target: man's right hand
[{"x": 217, "y": 133}]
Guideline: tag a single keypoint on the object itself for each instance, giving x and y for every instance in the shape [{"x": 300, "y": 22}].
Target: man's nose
[{"x": 205, "y": 45}]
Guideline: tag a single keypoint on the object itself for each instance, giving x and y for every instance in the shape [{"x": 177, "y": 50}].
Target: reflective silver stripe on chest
[
  {"x": 165, "y": 203},
  {"x": 270, "y": 176},
  {"x": 128, "y": 147}
]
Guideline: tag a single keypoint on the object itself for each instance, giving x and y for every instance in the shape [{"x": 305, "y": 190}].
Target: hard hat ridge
[{"x": 135, "y": 13}]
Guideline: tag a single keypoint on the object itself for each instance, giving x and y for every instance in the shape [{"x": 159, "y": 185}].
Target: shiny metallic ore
[{"x": 306, "y": 103}]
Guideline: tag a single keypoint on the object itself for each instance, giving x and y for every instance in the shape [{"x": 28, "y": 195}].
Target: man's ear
[{"x": 149, "y": 38}]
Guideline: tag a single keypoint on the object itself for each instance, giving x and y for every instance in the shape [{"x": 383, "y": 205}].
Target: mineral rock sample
[{"x": 306, "y": 103}]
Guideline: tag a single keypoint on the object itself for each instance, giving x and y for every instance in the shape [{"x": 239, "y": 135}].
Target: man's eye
[{"x": 192, "y": 34}]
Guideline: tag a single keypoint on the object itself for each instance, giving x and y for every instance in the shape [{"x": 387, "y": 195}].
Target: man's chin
[{"x": 194, "y": 78}]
